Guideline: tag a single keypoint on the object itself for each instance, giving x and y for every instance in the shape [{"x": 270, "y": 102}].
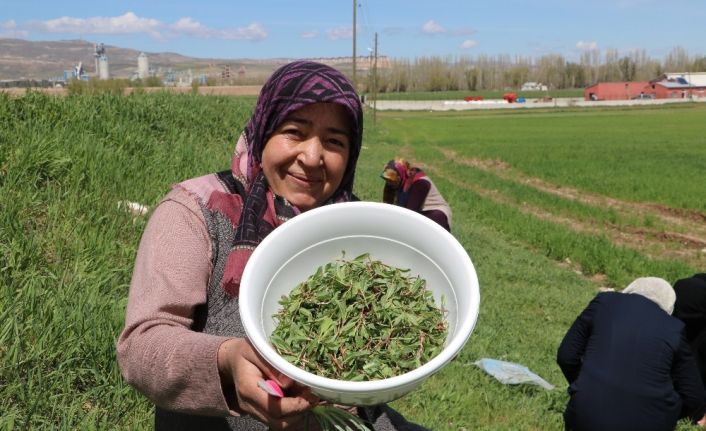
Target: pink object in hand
[{"x": 271, "y": 387}]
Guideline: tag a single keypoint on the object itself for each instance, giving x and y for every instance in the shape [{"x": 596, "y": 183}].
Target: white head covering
[{"x": 655, "y": 289}]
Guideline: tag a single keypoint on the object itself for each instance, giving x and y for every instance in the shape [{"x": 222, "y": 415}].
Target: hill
[{"x": 45, "y": 60}]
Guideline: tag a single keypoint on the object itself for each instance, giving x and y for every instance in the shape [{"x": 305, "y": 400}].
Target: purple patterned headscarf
[
  {"x": 294, "y": 86},
  {"x": 291, "y": 87}
]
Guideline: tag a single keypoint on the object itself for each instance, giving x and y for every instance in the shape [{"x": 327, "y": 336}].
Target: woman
[
  {"x": 183, "y": 345},
  {"x": 409, "y": 187},
  {"x": 690, "y": 308},
  {"x": 628, "y": 364}
]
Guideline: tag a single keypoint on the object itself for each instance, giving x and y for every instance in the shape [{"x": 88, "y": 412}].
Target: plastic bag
[{"x": 510, "y": 373}]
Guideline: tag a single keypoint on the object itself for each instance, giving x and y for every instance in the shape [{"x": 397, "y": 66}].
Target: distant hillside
[{"x": 44, "y": 60}]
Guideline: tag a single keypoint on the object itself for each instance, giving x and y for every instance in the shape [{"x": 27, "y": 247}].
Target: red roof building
[
  {"x": 615, "y": 90},
  {"x": 675, "y": 89}
]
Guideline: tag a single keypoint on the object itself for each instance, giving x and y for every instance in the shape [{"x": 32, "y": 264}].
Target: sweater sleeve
[
  {"x": 418, "y": 192},
  {"x": 573, "y": 346},
  {"x": 158, "y": 353},
  {"x": 687, "y": 382}
]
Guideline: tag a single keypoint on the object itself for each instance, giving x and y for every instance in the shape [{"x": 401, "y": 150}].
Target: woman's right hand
[{"x": 242, "y": 367}]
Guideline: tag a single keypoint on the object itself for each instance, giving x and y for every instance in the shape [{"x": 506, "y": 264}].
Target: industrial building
[
  {"x": 678, "y": 86},
  {"x": 667, "y": 86},
  {"x": 143, "y": 66},
  {"x": 614, "y": 90},
  {"x": 697, "y": 79},
  {"x": 101, "y": 60}
]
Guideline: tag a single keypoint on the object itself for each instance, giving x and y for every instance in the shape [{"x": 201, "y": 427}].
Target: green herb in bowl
[{"x": 359, "y": 320}]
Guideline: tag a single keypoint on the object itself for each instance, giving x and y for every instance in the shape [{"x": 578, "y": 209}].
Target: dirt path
[{"x": 673, "y": 233}]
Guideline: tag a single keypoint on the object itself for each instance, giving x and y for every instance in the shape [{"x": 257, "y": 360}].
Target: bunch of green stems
[{"x": 359, "y": 320}]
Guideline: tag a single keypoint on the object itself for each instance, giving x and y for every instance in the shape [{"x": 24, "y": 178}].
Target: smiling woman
[{"x": 298, "y": 152}]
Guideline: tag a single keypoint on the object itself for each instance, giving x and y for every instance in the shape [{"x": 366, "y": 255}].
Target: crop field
[{"x": 551, "y": 205}]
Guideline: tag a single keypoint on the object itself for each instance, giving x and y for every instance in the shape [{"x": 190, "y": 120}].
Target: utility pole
[
  {"x": 355, "y": 7},
  {"x": 375, "y": 80}
]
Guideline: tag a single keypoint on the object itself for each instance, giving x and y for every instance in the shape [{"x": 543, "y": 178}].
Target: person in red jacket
[{"x": 410, "y": 187}]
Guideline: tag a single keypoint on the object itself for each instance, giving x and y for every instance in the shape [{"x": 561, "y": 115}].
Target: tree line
[{"x": 500, "y": 72}]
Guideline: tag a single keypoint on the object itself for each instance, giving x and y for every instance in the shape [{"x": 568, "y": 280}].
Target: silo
[
  {"x": 143, "y": 66},
  {"x": 103, "y": 72}
]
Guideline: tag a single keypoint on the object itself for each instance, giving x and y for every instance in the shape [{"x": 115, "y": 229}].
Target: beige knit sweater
[{"x": 158, "y": 353}]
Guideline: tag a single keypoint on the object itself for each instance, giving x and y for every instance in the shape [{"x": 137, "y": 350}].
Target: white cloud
[
  {"x": 468, "y": 44},
  {"x": 130, "y": 23},
  {"x": 309, "y": 34},
  {"x": 188, "y": 25},
  {"x": 124, "y": 24},
  {"x": 586, "y": 46},
  {"x": 340, "y": 33},
  {"x": 254, "y": 31},
  {"x": 9, "y": 29},
  {"x": 432, "y": 27}
]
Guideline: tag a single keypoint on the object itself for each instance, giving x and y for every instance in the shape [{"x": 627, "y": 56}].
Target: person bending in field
[
  {"x": 183, "y": 345},
  {"x": 690, "y": 308},
  {"x": 628, "y": 363},
  {"x": 411, "y": 188}
]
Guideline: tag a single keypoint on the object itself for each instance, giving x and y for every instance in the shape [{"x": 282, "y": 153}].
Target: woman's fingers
[
  {"x": 250, "y": 354},
  {"x": 286, "y": 413}
]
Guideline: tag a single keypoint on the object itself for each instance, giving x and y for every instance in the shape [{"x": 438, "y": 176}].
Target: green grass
[
  {"x": 638, "y": 154},
  {"x": 67, "y": 250}
]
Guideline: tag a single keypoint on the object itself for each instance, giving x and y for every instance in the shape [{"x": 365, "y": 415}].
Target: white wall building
[
  {"x": 103, "y": 72},
  {"x": 533, "y": 86},
  {"x": 697, "y": 79},
  {"x": 143, "y": 66}
]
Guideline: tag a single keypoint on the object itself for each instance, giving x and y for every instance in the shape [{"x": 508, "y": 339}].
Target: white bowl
[{"x": 391, "y": 234}]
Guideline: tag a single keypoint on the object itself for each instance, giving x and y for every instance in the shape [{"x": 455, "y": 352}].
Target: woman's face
[{"x": 305, "y": 158}]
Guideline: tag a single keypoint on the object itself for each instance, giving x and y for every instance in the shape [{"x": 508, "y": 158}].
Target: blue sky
[{"x": 406, "y": 28}]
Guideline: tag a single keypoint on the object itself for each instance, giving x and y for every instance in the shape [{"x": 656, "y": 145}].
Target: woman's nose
[{"x": 311, "y": 151}]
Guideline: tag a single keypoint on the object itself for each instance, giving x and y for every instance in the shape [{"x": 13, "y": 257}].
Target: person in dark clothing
[
  {"x": 628, "y": 363},
  {"x": 690, "y": 308}
]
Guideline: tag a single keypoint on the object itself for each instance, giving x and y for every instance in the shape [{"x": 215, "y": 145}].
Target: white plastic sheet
[{"x": 510, "y": 373}]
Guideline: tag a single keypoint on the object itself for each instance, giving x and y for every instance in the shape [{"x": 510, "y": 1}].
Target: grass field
[{"x": 551, "y": 205}]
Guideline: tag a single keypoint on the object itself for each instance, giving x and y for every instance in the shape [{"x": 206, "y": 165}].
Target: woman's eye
[
  {"x": 292, "y": 132},
  {"x": 338, "y": 142}
]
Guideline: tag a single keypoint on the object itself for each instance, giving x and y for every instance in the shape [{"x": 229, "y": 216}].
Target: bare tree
[
  {"x": 503, "y": 71},
  {"x": 550, "y": 70},
  {"x": 677, "y": 60},
  {"x": 628, "y": 68},
  {"x": 699, "y": 64},
  {"x": 610, "y": 70},
  {"x": 575, "y": 76}
]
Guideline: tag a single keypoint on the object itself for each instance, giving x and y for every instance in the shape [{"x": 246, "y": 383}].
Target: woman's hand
[{"x": 241, "y": 367}]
